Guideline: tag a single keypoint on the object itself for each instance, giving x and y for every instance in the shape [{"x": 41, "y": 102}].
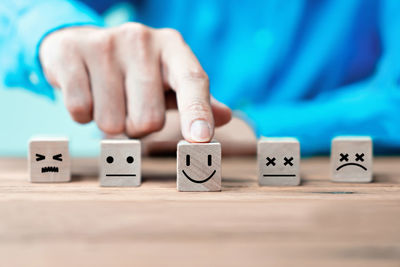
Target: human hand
[{"x": 126, "y": 77}]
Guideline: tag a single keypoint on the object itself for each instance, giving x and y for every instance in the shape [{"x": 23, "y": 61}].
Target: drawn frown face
[
  {"x": 198, "y": 180},
  {"x": 344, "y": 159},
  {"x": 351, "y": 159}
]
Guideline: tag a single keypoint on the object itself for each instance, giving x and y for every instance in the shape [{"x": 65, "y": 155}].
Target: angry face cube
[{"x": 49, "y": 160}]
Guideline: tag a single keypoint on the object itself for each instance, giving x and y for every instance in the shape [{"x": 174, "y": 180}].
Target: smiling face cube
[
  {"x": 120, "y": 163},
  {"x": 199, "y": 166},
  {"x": 278, "y": 162},
  {"x": 351, "y": 159},
  {"x": 49, "y": 160}
]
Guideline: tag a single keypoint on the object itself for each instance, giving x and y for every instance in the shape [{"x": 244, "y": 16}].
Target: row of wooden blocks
[{"x": 199, "y": 164}]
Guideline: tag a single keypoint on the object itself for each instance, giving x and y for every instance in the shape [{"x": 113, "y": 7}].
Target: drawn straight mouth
[
  {"x": 351, "y": 164},
  {"x": 201, "y": 181},
  {"x": 279, "y": 175},
  {"x": 49, "y": 169},
  {"x": 122, "y": 174}
]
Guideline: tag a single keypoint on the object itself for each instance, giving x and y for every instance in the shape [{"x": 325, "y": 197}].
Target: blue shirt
[{"x": 309, "y": 69}]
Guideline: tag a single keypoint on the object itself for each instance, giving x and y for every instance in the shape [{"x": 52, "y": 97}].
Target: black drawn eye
[
  {"x": 187, "y": 160},
  {"x": 271, "y": 161},
  {"x": 360, "y": 157},
  {"x": 129, "y": 159},
  {"x": 209, "y": 160},
  {"x": 288, "y": 161},
  {"x": 39, "y": 157},
  {"x": 110, "y": 159},
  {"x": 58, "y": 157},
  {"x": 344, "y": 157}
]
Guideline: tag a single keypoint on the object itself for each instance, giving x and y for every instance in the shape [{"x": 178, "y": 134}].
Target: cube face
[
  {"x": 49, "y": 160},
  {"x": 198, "y": 166},
  {"x": 278, "y": 162},
  {"x": 120, "y": 163},
  {"x": 351, "y": 159}
]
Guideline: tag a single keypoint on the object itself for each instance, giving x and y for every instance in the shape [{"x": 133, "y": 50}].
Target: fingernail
[{"x": 200, "y": 131}]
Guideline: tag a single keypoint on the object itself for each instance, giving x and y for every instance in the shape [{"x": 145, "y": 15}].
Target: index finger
[{"x": 184, "y": 74}]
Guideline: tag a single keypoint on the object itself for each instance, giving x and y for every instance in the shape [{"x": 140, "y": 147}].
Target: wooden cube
[
  {"x": 278, "y": 162},
  {"x": 199, "y": 166},
  {"x": 351, "y": 159},
  {"x": 49, "y": 160},
  {"x": 120, "y": 163}
]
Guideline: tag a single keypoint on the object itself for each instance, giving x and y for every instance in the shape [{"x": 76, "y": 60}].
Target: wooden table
[{"x": 317, "y": 224}]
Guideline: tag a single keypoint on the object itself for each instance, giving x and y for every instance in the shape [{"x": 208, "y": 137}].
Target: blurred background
[{"x": 311, "y": 70}]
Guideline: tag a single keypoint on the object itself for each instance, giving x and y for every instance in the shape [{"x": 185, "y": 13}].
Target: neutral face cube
[
  {"x": 351, "y": 159},
  {"x": 278, "y": 162},
  {"x": 199, "y": 166},
  {"x": 49, "y": 160},
  {"x": 120, "y": 163}
]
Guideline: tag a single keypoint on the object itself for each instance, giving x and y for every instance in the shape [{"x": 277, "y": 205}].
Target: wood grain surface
[{"x": 319, "y": 223}]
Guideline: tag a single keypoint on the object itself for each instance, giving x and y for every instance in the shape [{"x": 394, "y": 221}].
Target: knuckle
[
  {"x": 136, "y": 33},
  {"x": 102, "y": 43},
  {"x": 197, "y": 107},
  {"x": 78, "y": 108},
  {"x": 68, "y": 46},
  {"x": 195, "y": 75},
  {"x": 148, "y": 123},
  {"x": 172, "y": 34},
  {"x": 110, "y": 124}
]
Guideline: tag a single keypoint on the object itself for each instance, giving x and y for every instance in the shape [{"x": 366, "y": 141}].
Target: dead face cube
[
  {"x": 49, "y": 160},
  {"x": 199, "y": 166},
  {"x": 278, "y": 162},
  {"x": 120, "y": 163},
  {"x": 351, "y": 159}
]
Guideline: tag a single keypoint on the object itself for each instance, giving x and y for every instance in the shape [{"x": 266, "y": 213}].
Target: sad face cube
[
  {"x": 199, "y": 166},
  {"x": 351, "y": 159},
  {"x": 278, "y": 162},
  {"x": 49, "y": 160},
  {"x": 120, "y": 163}
]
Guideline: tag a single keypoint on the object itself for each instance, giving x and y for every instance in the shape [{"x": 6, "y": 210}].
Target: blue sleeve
[
  {"x": 23, "y": 25},
  {"x": 371, "y": 107}
]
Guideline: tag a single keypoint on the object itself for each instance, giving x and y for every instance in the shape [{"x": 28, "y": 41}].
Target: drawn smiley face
[
  {"x": 198, "y": 166},
  {"x": 201, "y": 180},
  {"x": 344, "y": 159}
]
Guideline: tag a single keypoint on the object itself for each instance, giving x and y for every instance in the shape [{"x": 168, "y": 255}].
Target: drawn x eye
[
  {"x": 360, "y": 157},
  {"x": 344, "y": 157},
  {"x": 288, "y": 161},
  {"x": 271, "y": 161},
  {"x": 39, "y": 157},
  {"x": 58, "y": 157}
]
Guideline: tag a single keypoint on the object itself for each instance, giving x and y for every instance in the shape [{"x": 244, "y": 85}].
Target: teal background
[{"x": 25, "y": 114}]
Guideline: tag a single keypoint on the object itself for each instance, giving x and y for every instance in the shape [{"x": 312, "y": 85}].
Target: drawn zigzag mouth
[{"x": 49, "y": 169}]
